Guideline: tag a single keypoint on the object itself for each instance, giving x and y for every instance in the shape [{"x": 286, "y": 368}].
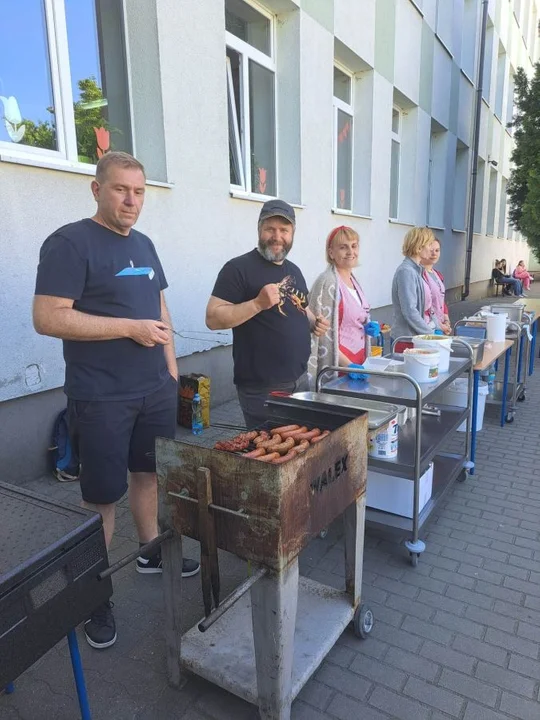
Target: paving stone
[
  {"x": 316, "y": 694},
  {"x": 379, "y": 673},
  {"x": 525, "y": 666},
  {"x": 447, "y": 656},
  {"x": 434, "y": 696},
  {"x": 459, "y": 625},
  {"x": 426, "y": 630},
  {"x": 512, "y": 642},
  {"x": 499, "y": 622},
  {"x": 477, "y": 712},
  {"x": 410, "y": 663},
  {"x": 348, "y": 683},
  {"x": 397, "y": 705},
  {"x": 344, "y": 708},
  {"x": 470, "y": 597},
  {"x": 516, "y": 707},
  {"x": 506, "y": 679},
  {"x": 469, "y": 687}
]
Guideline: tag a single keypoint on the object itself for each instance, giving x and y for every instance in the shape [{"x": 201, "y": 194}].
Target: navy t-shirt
[
  {"x": 110, "y": 275},
  {"x": 273, "y": 347}
]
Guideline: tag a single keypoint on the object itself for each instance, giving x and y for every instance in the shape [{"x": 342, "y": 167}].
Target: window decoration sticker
[
  {"x": 103, "y": 141},
  {"x": 12, "y": 118}
]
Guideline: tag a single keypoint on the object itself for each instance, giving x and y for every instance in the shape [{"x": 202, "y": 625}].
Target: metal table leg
[
  {"x": 505, "y": 384},
  {"x": 273, "y": 607},
  {"x": 476, "y": 382},
  {"x": 533, "y": 346},
  {"x": 10, "y": 688},
  {"x": 78, "y": 674},
  {"x": 520, "y": 357}
]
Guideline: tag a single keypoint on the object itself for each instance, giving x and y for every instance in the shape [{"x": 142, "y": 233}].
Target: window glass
[
  {"x": 395, "y": 121},
  {"x": 262, "y": 122},
  {"x": 342, "y": 86},
  {"x": 344, "y": 160},
  {"x": 98, "y": 76},
  {"x": 394, "y": 179},
  {"x": 26, "y": 101},
  {"x": 247, "y": 24},
  {"x": 235, "y": 117}
]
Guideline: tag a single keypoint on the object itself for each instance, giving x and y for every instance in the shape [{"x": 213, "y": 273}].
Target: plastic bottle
[
  {"x": 196, "y": 415},
  {"x": 491, "y": 379}
]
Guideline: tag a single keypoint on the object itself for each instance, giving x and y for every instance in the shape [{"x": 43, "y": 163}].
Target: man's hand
[
  {"x": 149, "y": 332},
  {"x": 321, "y": 326},
  {"x": 268, "y": 297}
]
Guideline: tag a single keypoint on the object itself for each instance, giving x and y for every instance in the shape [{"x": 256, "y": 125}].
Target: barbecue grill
[
  {"x": 257, "y": 646},
  {"x": 51, "y": 556}
]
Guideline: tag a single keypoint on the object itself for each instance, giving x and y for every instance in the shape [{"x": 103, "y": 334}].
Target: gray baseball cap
[{"x": 277, "y": 208}]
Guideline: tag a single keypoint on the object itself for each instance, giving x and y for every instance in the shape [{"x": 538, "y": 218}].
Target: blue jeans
[{"x": 515, "y": 284}]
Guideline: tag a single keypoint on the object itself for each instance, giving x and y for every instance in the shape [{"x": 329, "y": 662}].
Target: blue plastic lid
[{"x": 196, "y": 398}]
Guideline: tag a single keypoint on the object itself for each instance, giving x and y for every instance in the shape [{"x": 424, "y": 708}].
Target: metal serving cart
[
  {"x": 52, "y": 554},
  {"x": 264, "y": 645},
  {"x": 420, "y": 439}
]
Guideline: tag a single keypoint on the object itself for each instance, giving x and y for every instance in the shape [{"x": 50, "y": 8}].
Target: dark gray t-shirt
[{"x": 110, "y": 275}]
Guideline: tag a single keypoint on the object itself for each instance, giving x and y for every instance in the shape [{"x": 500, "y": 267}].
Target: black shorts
[{"x": 114, "y": 436}]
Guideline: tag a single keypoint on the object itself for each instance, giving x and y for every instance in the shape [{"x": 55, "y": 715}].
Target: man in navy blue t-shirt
[
  {"x": 100, "y": 289},
  {"x": 262, "y": 296}
]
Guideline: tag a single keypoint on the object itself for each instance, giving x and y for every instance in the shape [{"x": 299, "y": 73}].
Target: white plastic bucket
[
  {"x": 436, "y": 342},
  {"x": 496, "y": 327},
  {"x": 421, "y": 364},
  {"x": 456, "y": 394},
  {"x": 383, "y": 442}
]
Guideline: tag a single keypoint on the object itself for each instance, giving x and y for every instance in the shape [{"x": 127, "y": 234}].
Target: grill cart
[{"x": 264, "y": 645}]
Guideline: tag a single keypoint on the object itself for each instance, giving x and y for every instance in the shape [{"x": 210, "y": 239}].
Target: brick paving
[{"x": 456, "y": 637}]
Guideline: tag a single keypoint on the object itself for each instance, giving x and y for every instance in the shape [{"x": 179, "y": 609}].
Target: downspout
[{"x": 476, "y": 140}]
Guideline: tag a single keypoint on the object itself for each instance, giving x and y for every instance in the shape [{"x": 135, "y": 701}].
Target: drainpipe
[{"x": 476, "y": 140}]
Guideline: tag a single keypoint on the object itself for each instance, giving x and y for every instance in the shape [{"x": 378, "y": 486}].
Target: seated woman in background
[
  {"x": 435, "y": 280},
  {"x": 521, "y": 273},
  {"x": 337, "y": 296},
  {"x": 411, "y": 294},
  {"x": 511, "y": 283}
]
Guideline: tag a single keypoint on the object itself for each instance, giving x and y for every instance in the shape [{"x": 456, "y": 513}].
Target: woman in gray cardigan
[{"x": 411, "y": 307}]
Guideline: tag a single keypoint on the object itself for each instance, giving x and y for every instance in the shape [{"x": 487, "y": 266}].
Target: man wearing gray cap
[{"x": 262, "y": 296}]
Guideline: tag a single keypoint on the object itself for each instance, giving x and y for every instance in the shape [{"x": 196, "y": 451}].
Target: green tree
[
  {"x": 88, "y": 111},
  {"x": 524, "y": 184}
]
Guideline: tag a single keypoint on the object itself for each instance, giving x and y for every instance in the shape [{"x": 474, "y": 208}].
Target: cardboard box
[
  {"x": 188, "y": 386},
  {"x": 395, "y": 494}
]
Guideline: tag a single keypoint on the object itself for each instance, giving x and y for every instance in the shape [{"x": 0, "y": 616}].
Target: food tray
[{"x": 379, "y": 413}]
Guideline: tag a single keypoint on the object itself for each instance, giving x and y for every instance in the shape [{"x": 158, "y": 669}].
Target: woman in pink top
[
  {"x": 521, "y": 273},
  {"x": 436, "y": 310},
  {"x": 337, "y": 296}
]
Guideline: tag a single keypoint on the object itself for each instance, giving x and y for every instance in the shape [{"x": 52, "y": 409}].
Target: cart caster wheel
[
  {"x": 522, "y": 397},
  {"x": 414, "y": 559},
  {"x": 323, "y": 533},
  {"x": 363, "y": 621},
  {"x": 463, "y": 475},
  {"x": 509, "y": 418}
]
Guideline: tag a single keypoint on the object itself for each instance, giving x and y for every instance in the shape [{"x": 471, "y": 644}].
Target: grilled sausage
[
  {"x": 269, "y": 458},
  {"x": 259, "y": 452},
  {"x": 261, "y": 437},
  {"x": 301, "y": 447},
  {"x": 294, "y": 433},
  {"x": 283, "y": 429},
  {"x": 318, "y": 438},
  {"x": 284, "y": 447},
  {"x": 284, "y": 458},
  {"x": 267, "y": 444},
  {"x": 307, "y": 435}
]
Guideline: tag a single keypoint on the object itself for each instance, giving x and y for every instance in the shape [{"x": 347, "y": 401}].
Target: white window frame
[
  {"x": 348, "y": 109},
  {"x": 56, "y": 36},
  {"x": 396, "y": 137},
  {"x": 247, "y": 53}
]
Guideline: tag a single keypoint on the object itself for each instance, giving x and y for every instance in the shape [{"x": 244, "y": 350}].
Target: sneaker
[
  {"x": 100, "y": 629},
  {"x": 149, "y": 566}
]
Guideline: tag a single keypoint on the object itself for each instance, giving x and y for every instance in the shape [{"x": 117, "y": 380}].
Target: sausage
[
  {"x": 284, "y": 428},
  {"x": 261, "y": 437},
  {"x": 284, "y": 447},
  {"x": 259, "y": 452},
  {"x": 308, "y": 435},
  {"x": 251, "y": 435},
  {"x": 318, "y": 438},
  {"x": 284, "y": 458},
  {"x": 294, "y": 433},
  {"x": 269, "y": 458},
  {"x": 301, "y": 447},
  {"x": 267, "y": 444}
]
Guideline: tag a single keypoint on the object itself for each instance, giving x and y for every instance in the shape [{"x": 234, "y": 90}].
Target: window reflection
[{"x": 26, "y": 99}]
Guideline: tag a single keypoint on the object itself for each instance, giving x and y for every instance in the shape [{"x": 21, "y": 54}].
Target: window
[
  {"x": 510, "y": 100},
  {"x": 479, "y": 199},
  {"x": 343, "y": 139},
  {"x": 395, "y": 159},
  {"x": 468, "y": 47},
  {"x": 66, "y": 95},
  {"x": 488, "y": 63},
  {"x": 492, "y": 199},
  {"x": 461, "y": 177},
  {"x": 251, "y": 98},
  {"x": 502, "y": 208},
  {"x": 437, "y": 175},
  {"x": 501, "y": 75}
]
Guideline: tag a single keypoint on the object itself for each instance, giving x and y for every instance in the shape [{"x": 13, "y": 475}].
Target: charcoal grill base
[{"x": 225, "y": 653}]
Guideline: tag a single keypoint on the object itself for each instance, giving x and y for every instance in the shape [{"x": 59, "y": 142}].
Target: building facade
[{"x": 357, "y": 112}]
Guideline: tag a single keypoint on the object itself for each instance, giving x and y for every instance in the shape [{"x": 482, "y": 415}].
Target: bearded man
[{"x": 262, "y": 296}]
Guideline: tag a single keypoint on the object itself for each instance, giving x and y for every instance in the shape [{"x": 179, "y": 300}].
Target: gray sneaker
[{"x": 100, "y": 629}]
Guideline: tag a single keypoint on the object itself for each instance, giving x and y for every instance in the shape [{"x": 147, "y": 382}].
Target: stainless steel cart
[{"x": 421, "y": 439}]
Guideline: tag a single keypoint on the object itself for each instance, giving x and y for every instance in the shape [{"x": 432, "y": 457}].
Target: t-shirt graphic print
[{"x": 273, "y": 347}]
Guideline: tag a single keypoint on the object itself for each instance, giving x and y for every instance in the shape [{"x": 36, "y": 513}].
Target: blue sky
[{"x": 24, "y": 54}]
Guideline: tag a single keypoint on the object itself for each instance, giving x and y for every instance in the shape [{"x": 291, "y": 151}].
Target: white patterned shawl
[{"x": 324, "y": 300}]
